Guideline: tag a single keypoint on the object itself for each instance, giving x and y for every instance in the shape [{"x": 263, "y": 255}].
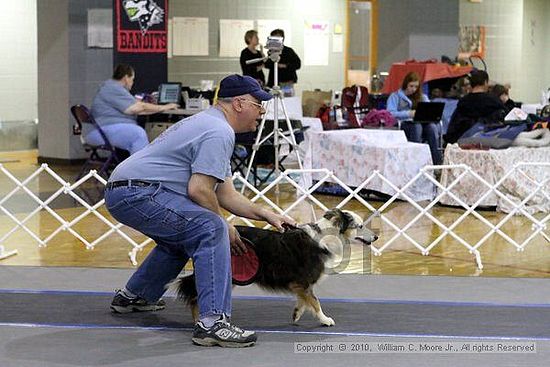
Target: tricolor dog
[{"x": 293, "y": 261}]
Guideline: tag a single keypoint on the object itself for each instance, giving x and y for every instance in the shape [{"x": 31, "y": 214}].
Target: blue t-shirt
[
  {"x": 399, "y": 105},
  {"x": 202, "y": 143},
  {"x": 110, "y": 102}
]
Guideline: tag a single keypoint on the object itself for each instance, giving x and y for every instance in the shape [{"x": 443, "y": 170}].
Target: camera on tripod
[{"x": 274, "y": 47}]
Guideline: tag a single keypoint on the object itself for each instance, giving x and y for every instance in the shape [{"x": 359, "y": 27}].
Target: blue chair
[{"x": 109, "y": 160}]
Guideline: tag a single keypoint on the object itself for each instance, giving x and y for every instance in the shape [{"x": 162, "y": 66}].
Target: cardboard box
[{"x": 312, "y": 100}]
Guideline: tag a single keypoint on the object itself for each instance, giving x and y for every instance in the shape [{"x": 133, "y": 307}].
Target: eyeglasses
[{"x": 258, "y": 105}]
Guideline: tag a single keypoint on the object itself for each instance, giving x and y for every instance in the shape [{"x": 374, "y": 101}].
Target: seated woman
[
  {"x": 503, "y": 93},
  {"x": 115, "y": 110},
  {"x": 402, "y": 105}
]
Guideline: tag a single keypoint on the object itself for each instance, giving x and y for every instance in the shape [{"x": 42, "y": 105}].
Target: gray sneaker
[
  {"x": 224, "y": 334},
  {"x": 123, "y": 304}
]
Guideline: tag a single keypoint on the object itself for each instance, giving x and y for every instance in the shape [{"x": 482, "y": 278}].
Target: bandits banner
[
  {"x": 140, "y": 35},
  {"x": 141, "y": 26}
]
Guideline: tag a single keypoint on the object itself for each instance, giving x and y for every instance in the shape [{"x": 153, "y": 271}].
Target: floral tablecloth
[
  {"x": 353, "y": 155},
  {"x": 492, "y": 165}
]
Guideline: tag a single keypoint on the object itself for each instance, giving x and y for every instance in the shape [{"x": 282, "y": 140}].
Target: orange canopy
[{"x": 426, "y": 70}]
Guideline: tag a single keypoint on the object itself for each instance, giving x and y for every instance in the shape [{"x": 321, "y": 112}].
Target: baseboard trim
[{"x": 61, "y": 161}]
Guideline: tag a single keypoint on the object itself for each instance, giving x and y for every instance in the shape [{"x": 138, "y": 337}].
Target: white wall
[
  {"x": 503, "y": 21},
  {"x": 517, "y": 42},
  {"x": 18, "y": 64},
  {"x": 536, "y": 48}
]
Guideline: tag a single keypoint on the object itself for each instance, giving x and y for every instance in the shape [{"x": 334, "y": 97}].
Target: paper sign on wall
[
  {"x": 471, "y": 41},
  {"x": 189, "y": 36},
  {"x": 100, "y": 28},
  {"x": 316, "y": 42},
  {"x": 232, "y": 36}
]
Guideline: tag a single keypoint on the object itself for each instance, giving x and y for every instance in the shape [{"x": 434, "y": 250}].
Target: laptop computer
[
  {"x": 169, "y": 93},
  {"x": 427, "y": 112}
]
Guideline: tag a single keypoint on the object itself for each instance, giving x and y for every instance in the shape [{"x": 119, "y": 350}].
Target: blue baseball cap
[{"x": 239, "y": 85}]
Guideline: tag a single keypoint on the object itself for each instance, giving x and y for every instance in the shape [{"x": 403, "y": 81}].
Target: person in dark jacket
[
  {"x": 479, "y": 105},
  {"x": 288, "y": 64},
  {"x": 254, "y": 70},
  {"x": 503, "y": 93}
]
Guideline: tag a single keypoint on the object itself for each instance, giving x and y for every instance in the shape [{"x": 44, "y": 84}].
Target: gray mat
[{"x": 272, "y": 315}]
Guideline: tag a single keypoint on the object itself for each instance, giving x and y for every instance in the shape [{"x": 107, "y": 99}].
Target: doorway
[{"x": 361, "y": 41}]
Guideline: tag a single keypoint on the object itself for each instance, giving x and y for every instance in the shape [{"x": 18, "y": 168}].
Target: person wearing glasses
[
  {"x": 173, "y": 191},
  {"x": 115, "y": 110}
]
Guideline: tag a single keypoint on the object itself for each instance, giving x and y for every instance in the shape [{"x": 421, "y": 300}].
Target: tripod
[{"x": 277, "y": 134}]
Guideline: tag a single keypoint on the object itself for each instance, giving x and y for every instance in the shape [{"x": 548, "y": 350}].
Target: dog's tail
[{"x": 185, "y": 289}]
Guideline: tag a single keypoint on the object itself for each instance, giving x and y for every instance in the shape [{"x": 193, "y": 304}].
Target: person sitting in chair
[
  {"x": 479, "y": 105},
  {"x": 402, "y": 105},
  {"x": 503, "y": 93},
  {"x": 115, "y": 110}
]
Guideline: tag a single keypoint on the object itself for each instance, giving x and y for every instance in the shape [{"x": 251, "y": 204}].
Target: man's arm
[
  {"x": 232, "y": 201},
  {"x": 144, "y": 108},
  {"x": 201, "y": 191},
  {"x": 294, "y": 61}
]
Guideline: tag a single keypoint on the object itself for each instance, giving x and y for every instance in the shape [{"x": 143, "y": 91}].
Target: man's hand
[
  {"x": 237, "y": 245},
  {"x": 170, "y": 106},
  {"x": 277, "y": 220}
]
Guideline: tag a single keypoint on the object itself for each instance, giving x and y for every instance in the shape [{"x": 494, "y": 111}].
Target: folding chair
[{"x": 83, "y": 116}]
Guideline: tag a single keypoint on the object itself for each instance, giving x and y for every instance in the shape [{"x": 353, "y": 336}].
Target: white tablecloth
[
  {"x": 492, "y": 165},
  {"x": 353, "y": 155}
]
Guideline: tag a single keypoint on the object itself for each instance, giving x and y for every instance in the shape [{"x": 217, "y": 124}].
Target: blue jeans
[
  {"x": 419, "y": 133},
  {"x": 181, "y": 230},
  {"x": 129, "y": 137}
]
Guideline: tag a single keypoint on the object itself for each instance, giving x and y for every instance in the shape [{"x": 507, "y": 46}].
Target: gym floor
[{"x": 54, "y": 300}]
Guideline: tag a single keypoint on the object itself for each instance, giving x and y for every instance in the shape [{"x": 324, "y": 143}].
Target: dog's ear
[
  {"x": 349, "y": 218},
  {"x": 339, "y": 219},
  {"x": 329, "y": 214}
]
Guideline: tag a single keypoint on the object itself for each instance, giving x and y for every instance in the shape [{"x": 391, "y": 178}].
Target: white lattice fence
[
  {"x": 424, "y": 210},
  {"x": 538, "y": 226},
  {"x": 65, "y": 188}
]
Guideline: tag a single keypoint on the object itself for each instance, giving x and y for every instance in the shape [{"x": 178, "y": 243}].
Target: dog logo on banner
[
  {"x": 146, "y": 12},
  {"x": 143, "y": 29}
]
